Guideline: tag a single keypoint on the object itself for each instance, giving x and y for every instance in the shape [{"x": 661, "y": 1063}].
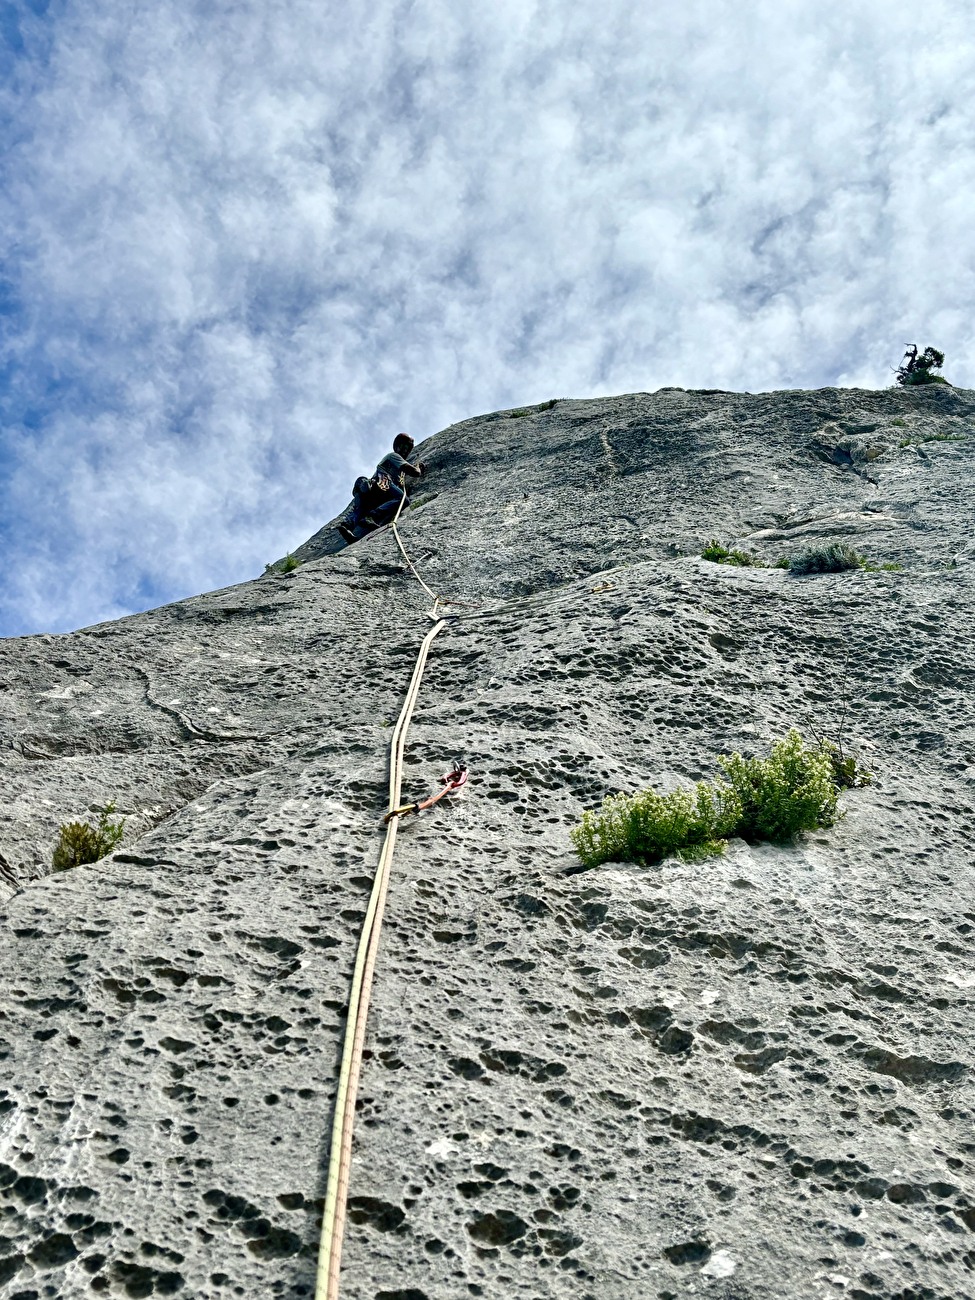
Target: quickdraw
[{"x": 451, "y": 781}]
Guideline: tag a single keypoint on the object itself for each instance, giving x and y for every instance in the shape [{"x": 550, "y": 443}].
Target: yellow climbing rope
[
  {"x": 412, "y": 567},
  {"x": 340, "y": 1155}
]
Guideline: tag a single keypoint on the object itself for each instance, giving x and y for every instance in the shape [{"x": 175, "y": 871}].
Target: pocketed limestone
[{"x": 749, "y": 1076}]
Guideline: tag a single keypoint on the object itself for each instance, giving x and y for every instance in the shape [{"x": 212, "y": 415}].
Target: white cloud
[{"x": 248, "y": 241}]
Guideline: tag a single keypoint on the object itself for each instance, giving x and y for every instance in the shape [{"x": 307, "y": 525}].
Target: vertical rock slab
[{"x": 742, "y": 1075}]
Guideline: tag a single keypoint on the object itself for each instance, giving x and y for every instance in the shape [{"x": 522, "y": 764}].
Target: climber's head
[{"x": 403, "y": 444}]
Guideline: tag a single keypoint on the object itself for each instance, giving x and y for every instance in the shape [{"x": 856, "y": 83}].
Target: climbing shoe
[{"x": 346, "y": 532}]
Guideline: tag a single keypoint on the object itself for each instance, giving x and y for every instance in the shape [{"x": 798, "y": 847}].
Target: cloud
[{"x": 244, "y": 243}]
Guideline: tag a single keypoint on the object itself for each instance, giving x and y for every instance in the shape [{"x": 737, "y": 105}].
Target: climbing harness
[{"x": 340, "y": 1154}]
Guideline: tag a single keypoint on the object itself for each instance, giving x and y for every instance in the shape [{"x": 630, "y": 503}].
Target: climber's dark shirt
[{"x": 395, "y": 466}]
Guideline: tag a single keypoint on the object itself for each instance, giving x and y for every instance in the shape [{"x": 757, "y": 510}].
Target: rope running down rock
[{"x": 340, "y": 1153}]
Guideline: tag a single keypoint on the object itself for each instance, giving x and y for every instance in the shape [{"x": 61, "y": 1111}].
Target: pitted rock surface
[{"x": 745, "y": 1077}]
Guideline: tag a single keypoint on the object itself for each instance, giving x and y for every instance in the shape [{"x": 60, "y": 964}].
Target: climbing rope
[
  {"x": 438, "y": 601},
  {"x": 411, "y": 566},
  {"x": 340, "y": 1154}
]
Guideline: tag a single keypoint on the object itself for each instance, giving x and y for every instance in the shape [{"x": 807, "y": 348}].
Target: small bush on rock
[
  {"x": 919, "y": 369},
  {"x": 837, "y": 557},
  {"x": 790, "y": 791},
  {"x": 80, "y": 843},
  {"x": 646, "y": 827},
  {"x": 773, "y": 798},
  {"x": 718, "y": 554},
  {"x": 848, "y": 772},
  {"x": 521, "y": 411},
  {"x": 932, "y": 437},
  {"x": 287, "y": 565}
]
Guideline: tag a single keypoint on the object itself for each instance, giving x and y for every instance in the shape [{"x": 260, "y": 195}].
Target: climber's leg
[
  {"x": 386, "y": 510},
  {"x": 350, "y": 523},
  {"x": 369, "y": 511}
]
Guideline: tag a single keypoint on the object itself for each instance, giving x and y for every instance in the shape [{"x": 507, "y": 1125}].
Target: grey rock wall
[{"x": 749, "y": 1077}]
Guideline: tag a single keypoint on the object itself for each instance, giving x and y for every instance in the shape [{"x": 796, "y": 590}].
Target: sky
[{"x": 245, "y": 242}]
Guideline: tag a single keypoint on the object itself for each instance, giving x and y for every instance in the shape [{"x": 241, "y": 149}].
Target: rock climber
[{"x": 376, "y": 499}]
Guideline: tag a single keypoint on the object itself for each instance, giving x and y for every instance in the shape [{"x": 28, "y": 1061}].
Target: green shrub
[
  {"x": 919, "y": 369},
  {"x": 287, "y": 565},
  {"x": 647, "y": 826},
  {"x": 521, "y": 411},
  {"x": 794, "y": 789},
  {"x": 790, "y": 791},
  {"x": 848, "y": 772},
  {"x": 932, "y": 437},
  {"x": 80, "y": 843},
  {"x": 718, "y": 554},
  {"x": 836, "y": 557}
]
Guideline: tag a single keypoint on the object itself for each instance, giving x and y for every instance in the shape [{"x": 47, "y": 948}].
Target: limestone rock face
[{"x": 747, "y": 1077}]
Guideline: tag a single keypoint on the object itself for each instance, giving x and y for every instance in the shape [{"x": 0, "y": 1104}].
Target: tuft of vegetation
[
  {"x": 421, "y": 499},
  {"x": 719, "y": 554},
  {"x": 521, "y": 411},
  {"x": 835, "y": 557},
  {"x": 287, "y": 565},
  {"x": 932, "y": 437},
  {"x": 794, "y": 789},
  {"x": 848, "y": 772},
  {"x": 790, "y": 791},
  {"x": 80, "y": 843},
  {"x": 646, "y": 827},
  {"x": 919, "y": 368}
]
